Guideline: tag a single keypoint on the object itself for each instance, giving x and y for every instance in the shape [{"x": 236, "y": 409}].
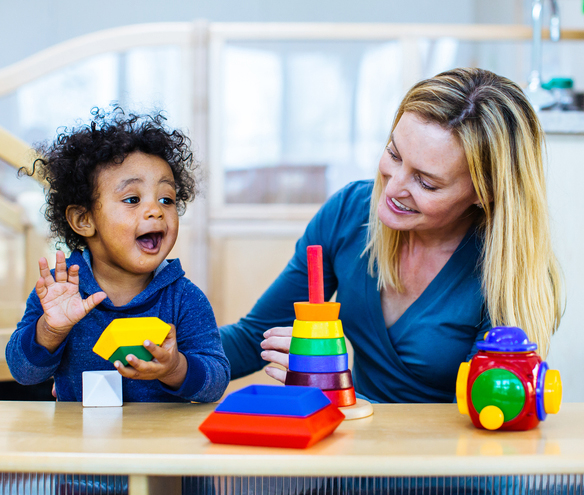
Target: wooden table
[{"x": 156, "y": 444}]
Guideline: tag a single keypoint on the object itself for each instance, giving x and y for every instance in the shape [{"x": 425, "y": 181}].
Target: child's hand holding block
[
  {"x": 102, "y": 389},
  {"x": 125, "y": 336}
]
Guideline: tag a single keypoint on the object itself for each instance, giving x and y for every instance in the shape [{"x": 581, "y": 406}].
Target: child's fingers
[
  {"x": 45, "y": 272},
  {"x": 60, "y": 267},
  {"x": 41, "y": 288},
  {"x": 125, "y": 371},
  {"x": 93, "y": 300},
  {"x": 158, "y": 352},
  {"x": 136, "y": 369},
  {"x": 170, "y": 339},
  {"x": 73, "y": 274}
]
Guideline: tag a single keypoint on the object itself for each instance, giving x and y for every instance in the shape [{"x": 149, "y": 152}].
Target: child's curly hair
[{"x": 72, "y": 162}]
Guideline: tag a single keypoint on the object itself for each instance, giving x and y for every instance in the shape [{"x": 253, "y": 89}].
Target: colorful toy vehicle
[{"x": 506, "y": 385}]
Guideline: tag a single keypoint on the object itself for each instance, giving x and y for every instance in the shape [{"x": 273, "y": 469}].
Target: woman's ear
[{"x": 80, "y": 220}]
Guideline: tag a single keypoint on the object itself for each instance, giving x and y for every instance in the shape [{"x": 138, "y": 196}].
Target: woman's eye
[
  {"x": 424, "y": 184},
  {"x": 393, "y": 156},
  {"x": 166, "y": 201},
  {"x": 133, "y": 200}
]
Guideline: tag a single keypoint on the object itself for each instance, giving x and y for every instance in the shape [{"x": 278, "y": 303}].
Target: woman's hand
[
  {"x": 276, "y": 348},
  {"x": 62, "y": 304},
  {"x": 168, "y": 364}
]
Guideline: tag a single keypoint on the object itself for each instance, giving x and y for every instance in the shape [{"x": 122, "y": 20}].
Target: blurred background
[{"x": 285, "y": 103}]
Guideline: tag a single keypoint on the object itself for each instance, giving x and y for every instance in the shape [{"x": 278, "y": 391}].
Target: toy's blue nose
[{"x": 507, "y": 339}]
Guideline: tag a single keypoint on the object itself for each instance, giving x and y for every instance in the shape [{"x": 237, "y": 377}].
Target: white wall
[{"x": 565, "y": 174}]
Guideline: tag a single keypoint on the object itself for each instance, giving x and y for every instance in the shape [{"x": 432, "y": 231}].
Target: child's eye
[
  {"x": 133, "y": 200},
  {"x": 166, "y": 201}
]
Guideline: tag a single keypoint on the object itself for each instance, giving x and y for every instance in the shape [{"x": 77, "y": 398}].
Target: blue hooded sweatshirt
[{"x": 170, "y": 296}]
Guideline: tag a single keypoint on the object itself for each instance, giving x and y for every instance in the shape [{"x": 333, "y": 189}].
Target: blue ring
[
  {"x": 539, "y": 391},
  {"x": 318, "y": 364}
]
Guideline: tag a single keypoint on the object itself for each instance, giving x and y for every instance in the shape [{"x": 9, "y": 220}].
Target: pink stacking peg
[{"x": 315, "y": 281}]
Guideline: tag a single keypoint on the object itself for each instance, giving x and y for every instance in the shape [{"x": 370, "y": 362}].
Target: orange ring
[
  {"x": 341, "y": 398},
  {"x": 327, "y": 311}
]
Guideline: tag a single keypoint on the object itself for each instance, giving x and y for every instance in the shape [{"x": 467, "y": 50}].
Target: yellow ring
[
  {"x": 461, "y": 385},
  {"x": 317, "y": 329},
  {"x": 552, "y": 392}
]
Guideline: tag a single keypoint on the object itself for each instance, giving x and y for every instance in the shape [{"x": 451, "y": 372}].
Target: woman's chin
[{"x": 395, "y": 221}]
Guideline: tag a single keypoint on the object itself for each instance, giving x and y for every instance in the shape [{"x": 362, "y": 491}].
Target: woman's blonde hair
[{"x": 502, "y": 140}]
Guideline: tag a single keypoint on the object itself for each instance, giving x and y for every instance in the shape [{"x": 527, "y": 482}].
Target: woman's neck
[{"x": 446, "y": 240}]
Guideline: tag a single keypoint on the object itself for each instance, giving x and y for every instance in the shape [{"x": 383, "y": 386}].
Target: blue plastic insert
[{"x": 274, "y": 400}]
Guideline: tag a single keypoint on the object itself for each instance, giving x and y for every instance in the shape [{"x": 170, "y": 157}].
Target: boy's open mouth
[{"x": 150, "y": 241}]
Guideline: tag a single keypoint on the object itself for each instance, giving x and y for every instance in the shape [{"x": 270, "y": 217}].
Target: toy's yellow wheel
[
  {"x": 552, "y": 392},
  {"x": 491, "y": 417},
  {"x": 461, "y": 384}
]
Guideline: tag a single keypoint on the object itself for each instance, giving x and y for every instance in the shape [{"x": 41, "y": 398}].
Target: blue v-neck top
[{"x": 417, "y": 358}]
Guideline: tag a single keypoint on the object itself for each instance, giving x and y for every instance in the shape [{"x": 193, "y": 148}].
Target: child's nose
[{"x": 153, "y": 210}]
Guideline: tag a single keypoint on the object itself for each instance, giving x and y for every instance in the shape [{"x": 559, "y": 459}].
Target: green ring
[{"x": 318, "y": 347}]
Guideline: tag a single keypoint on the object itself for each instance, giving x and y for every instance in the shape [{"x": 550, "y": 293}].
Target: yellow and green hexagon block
[{"x": 124, "y": 336}]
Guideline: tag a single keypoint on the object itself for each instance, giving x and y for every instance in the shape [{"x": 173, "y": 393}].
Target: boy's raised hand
[
  {"x": 62, "y": 304},
  {"x": 168, "y": 364}
]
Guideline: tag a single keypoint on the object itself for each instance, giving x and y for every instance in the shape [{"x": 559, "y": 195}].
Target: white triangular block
[{"x": 102, "y": 389}]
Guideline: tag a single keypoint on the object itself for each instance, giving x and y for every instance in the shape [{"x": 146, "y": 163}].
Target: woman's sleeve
[{"x": 275, "y": 308}]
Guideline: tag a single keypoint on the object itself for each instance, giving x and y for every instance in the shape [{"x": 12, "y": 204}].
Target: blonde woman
[{"x": 450, "y": 239}]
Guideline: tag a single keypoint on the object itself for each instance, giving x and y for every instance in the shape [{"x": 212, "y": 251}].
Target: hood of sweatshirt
[{"x": 168, "y": 272}]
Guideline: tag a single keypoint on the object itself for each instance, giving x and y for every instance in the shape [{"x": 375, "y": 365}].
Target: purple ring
[{"x": 324, "y": 381}]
